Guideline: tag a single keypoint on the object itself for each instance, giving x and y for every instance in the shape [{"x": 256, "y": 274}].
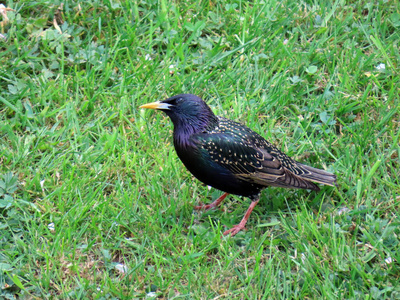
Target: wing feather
[{"x": 251, "y": 158}]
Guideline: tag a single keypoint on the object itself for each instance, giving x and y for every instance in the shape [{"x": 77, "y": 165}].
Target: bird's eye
[
  {"x": 176, "y": 101},
  {"x": 171, "y": 101}
]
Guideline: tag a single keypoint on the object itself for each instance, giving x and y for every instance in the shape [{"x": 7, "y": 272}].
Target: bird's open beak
[{"x": 156, "y": 105}]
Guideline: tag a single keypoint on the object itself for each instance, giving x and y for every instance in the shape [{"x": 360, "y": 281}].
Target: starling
[{"x": 230, "y": 156}]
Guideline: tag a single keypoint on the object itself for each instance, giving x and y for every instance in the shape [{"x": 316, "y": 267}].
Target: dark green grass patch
[{"x": 95, "y": 204}]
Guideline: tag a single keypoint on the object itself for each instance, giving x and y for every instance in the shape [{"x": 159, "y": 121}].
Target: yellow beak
[{"x": 156, "y": 105}]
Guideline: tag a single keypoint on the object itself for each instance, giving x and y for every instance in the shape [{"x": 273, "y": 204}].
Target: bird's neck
[{"x": 186, "y": 128}]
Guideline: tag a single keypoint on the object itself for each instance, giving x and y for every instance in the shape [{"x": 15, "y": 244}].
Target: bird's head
[{"x": 189, "y": 113}]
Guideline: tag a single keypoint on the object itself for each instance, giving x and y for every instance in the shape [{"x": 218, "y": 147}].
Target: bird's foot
[
  {"x": 235, "y": 229},
  {"x": 215, "y": 204},
  {"x": 205, "y": 207}
]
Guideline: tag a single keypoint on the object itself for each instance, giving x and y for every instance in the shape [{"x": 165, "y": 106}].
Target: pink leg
[
  {"x": 215, "y": 204},
  {"x": 235, "y": 229}
]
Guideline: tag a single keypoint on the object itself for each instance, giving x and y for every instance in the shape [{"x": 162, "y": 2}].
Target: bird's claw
[
  {"x": 199, "y": 207},
  {"x": 234, "y": 230},
  {"x": 204, "y": 207},
  {"x": 215, "y": 204}
]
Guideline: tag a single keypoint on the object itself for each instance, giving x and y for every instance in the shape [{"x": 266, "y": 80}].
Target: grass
[{"x": 95, "y": 204}]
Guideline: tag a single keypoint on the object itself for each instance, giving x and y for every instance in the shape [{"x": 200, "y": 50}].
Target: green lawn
[{"x": 94, "y": 202}]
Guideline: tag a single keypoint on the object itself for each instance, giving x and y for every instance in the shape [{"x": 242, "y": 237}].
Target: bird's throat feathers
[{"x": 184, "y": 128}]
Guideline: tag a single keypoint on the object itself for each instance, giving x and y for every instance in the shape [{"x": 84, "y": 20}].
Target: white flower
[
  {"x": 51, "y": 227},
  {"x": 151, "y": 295},
  {"x": 388, "y": 260},
  {"x": 121, "y": 268},
  {"x": 42, "y": 184},
  {"x": 342, "y": 211}
]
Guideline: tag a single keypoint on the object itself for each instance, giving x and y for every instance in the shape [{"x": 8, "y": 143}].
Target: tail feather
[{"x": 318, "y": 175}]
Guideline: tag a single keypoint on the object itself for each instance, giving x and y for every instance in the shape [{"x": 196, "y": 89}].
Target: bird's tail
[{"x": 318, "y": 175}]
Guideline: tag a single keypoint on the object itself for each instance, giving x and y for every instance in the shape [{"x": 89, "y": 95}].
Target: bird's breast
[{"x": 208, "y": 171}]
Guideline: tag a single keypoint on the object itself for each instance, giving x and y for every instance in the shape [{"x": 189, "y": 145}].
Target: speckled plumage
[{"x": 230, "y": 156}]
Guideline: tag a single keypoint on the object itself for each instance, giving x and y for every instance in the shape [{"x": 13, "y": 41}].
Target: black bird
[{"x": 230, "y": 156}]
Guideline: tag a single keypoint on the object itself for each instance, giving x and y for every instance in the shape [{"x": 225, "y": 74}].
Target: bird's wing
[{"x": 252, "y": 160}]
